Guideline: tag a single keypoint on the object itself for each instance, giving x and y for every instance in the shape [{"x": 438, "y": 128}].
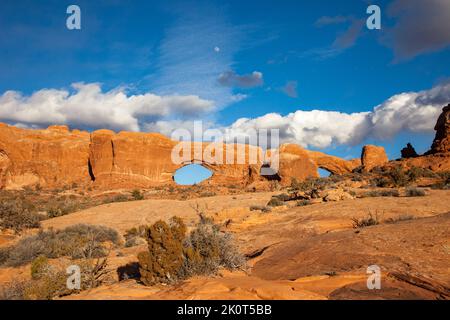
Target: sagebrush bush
[
  {"x": 74, "y": 241},
  {"x": 382, "y": 193},
  {"x": 209, "y": 249},
  {"x": 370, "y": 220},
  {"x": 303, "y": 203},
  {"x": 275, "y": 202},
  {"x": 135, "y": 236},
  {"x": 415, "y": 192},
  {"x": 137, "y": 195},
  {"x": 18, "y": 215},
  {"x": 49, "y": 282},
  {"x": 173, "y": 256}
]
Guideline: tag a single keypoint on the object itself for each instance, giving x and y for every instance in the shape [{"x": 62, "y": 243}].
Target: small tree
[{"x": 164, "y": 258}]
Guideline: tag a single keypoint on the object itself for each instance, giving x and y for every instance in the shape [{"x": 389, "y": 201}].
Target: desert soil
[{"x": 309, "y": 252}]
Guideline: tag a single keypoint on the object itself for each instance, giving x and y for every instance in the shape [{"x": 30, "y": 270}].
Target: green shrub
[
  {"x": 173, "y": 256},
  {"x": 39, "y": 267},
  {"x": 399, "y": 177},
  {"x": 164, "y": 259}
]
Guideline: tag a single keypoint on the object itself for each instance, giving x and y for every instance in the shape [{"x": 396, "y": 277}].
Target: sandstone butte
[{"x": 57, "y": 157}]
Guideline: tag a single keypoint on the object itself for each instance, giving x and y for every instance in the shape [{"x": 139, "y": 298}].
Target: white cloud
[
  {"x": 413, "y": 111},
  {"x": 89, "y": 107}
]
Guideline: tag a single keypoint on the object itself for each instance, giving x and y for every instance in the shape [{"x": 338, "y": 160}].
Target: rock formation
[
  {"x": 373, "y": 156},
  {"x": 441, "y": 143},
  {"x": 57, "y": 157},
  {"x": 437, "y": 158},
  {"x": 333, "y": 164},
  {"x": 409, "y": 152},
  {"x": 51, "y": 157}
]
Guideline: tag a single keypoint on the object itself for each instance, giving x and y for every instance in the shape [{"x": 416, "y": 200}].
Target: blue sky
[{"x": 159, "y": 65}]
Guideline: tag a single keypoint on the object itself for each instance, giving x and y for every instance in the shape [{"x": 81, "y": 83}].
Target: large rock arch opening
[{"x": 192, "y": 174}]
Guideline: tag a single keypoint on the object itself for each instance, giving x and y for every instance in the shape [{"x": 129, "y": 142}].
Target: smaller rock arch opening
[
  {"x": 192, "y": 174},
  {"x": 324, "y": 173}
]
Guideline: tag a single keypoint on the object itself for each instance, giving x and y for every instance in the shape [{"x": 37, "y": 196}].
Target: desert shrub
[
  {"x": 207, "y": 249},
  {"x": 311, "y": 186},
  {"x": 117, "y": 198},
  {"x": 39, "y": 267},
  {"x": 49, "y": 282},
  {"x": 173, "y": 256},
  {"x": 303, "y": 203},
  {"x": 415, "y": 192},
  {"x": 381, "y": 182},
  {"x": 403, "y": 217},
  {"x": 399, "y": 177},
  {"x": 275, "y": 202},
  {"x": 282, "y": 197},
  {"x": 260, "y": 208},
  {"x": 416, "y": 172},
  {"x": 74, "y": 241},
  {"x": 207, "y": 194},
  {"x": 62, "y": 209},
  {"x": 382, "y": 193},
  {"x": 14, "y": 290},
  {"x": 18, "y": 215},
  {"x": 370, "y": 220},
  {"x": 444, "y": 184},
  {"x": 164, "y": 259},
  {"x": 135, "y": 232},
  {"x": 134, "y": 242},
  {"x": 137, "y": 195},
  {"x": 135, "y": 236}
]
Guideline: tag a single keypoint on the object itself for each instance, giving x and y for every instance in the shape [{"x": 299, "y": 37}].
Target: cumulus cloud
[
  {"x": 421, "y": 26},
  {"x": 290, "y": 89},
  {"x": 413, "y": 111},
  {"x": 88, "y": 106},
  {"x": 232, "y": 79}
]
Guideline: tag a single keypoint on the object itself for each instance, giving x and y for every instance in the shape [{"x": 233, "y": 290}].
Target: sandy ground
[{"x": 309, "y": 252}]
